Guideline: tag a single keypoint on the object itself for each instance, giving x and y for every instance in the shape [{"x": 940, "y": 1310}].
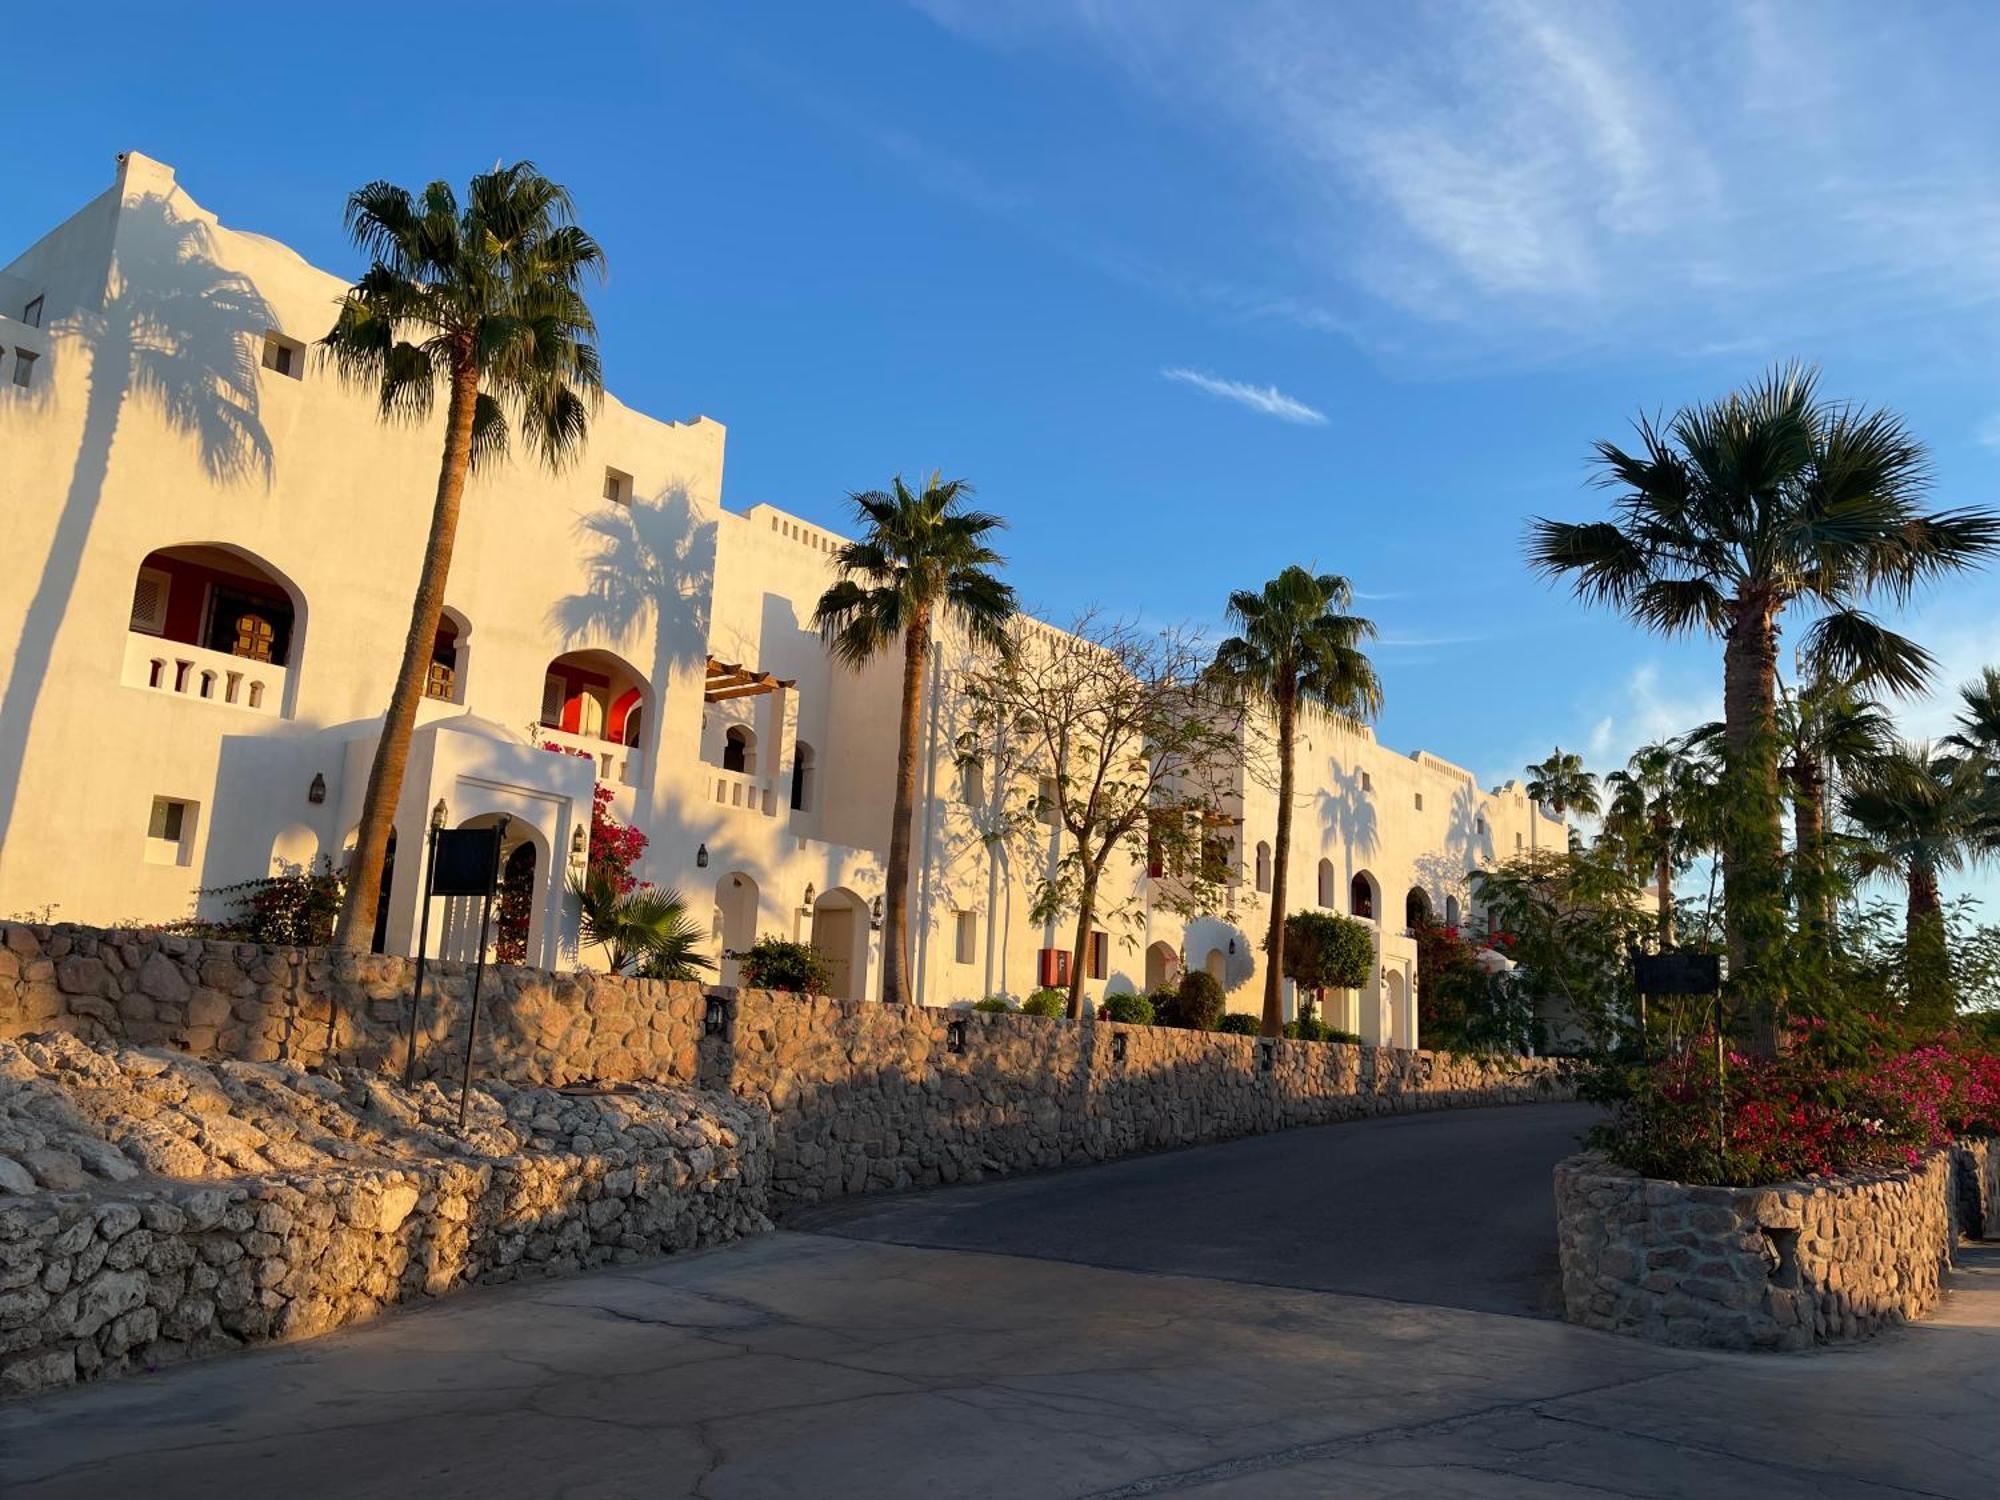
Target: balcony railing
[
  {"x": 752, "y": 793},
  {"x": 185, "y": 671},
  {"x": 624, "y": 765}
]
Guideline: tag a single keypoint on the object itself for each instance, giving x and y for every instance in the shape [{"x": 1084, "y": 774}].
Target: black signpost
[{"x": 459, "y": 862}]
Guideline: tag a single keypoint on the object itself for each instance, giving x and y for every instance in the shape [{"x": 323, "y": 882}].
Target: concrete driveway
[{"x": 821, "y": 1364}]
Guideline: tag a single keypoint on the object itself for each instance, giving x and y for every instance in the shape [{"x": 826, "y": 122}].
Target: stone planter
[{"x": 1778, "y": 1267}]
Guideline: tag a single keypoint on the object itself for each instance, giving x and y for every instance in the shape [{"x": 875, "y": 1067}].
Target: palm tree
[
  {"x": 1828, "y": 730},
  {"x": 1923, "y": 813},
  {"x": 1728, "y": 515},
  {"x": 922, "y": 556},
  {"x": 1979, "y": 720},
  {"x": 645, "y": 929},
  {"x": 1296, "y": 645},
  {"x": 1643, "y": 817},
  {"x": 1562, "y": 784},
  {"x": 486, "y": 301}
]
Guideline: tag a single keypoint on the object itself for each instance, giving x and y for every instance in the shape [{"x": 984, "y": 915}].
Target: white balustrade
[
  {"x": 164, "y": 666},
  {"x": 621, "y": 765}
]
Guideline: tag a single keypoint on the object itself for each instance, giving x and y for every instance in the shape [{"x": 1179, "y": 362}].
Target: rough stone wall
[
  {"x": 864, "y": 1097},
  {"x": 144, "y": 1218},
  {"x": 1976, "y": 1166},
  {"x": 1778, "y": 1267}
]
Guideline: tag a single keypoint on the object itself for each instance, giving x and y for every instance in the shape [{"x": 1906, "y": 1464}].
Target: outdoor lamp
[
  {"x": 954, "y": 1036},
  {"x": 576, "y": 843},
  {"x": 810, "y": 896},
  {"x": 875, "y": 914},
  {"x": 715, "y": 1019},
  {"x": 439, "y": 814},
  {"x": 316, "y": 793},
  {"x": 701, "y": 857}
]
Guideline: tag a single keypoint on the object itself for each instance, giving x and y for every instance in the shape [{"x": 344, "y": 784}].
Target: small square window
[
  {"x": 617, "y": 486},
  {"x": 1420, "y": 801},
  {"x": 284, "y": 356},
  {"x": 1367, "y": 782},
  {"x": 170, "y": 832},
  {"x": 24, "y": 366},
  {"x": 32, "y": 313},
  {"x": 966, "y": 936},
  {"x": 1517, "y": 841}
]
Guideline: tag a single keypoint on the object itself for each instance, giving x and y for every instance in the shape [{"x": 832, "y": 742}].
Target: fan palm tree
[
  {"x": 1644, "y": 818},
  {"x": 645, "y": 930},
  {"x": 1922, "y": 813},
  {"x": 1297, "y": 646},
  {"x": 1828, "y": 730},
  {"x": 1979, "y": 720},
  {"x": 485, "y": 301},
  {"x": 923, "y": 559},
  {"x": 1561, "y": 784},
  {"x": 1727, "y": 516}
]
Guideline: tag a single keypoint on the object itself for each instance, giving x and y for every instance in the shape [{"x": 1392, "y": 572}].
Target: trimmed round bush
[
  {"x": 1306, "y": 1029},
  {"x": 1239, "y": 1023},
  {"x": 1197, "y": 1003},
  {"x": 1049, "y": 1004},
  {"x": 1133, "y": 1010}
]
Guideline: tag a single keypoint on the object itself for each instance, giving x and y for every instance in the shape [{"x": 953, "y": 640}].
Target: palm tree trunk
[
  {"x": 1281, "y": 860},
  {"x": 1086, "y": 913},
  {"x": 896, "y": 912},
  {"x": 1750, "y": 855},
  {"x": 1809, "y": 841},
  {"x": 392, "y": 750},
  {"x": 1926, "y": 962}
]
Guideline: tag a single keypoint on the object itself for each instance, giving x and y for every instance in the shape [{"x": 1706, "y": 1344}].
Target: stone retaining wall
[
  {"x": 1778, "y": 1267},
  {"x": 1976, "y": 1165},
  {"x": 156, "y": 1228},
  {"x": 863, "y": 1096}
]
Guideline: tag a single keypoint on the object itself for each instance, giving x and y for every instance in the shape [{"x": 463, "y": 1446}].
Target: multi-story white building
[{"x": 210, "y": 545}]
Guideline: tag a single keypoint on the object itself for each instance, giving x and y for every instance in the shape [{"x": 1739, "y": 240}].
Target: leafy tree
[
  {"x": 775, "y": 963},
  {"x": 1726, "y": 517},
  {"x": 1644, "y": 819},
  {"x": 485, "y": 301},
  {"x": 1140, "y": 743},
  {"x": 1922, "y": 813},
  {"x": 1563, "y": 785},
  {"x": 1296, "y": 645},
  {"x": 643, "y": 930},
  {"x": 923, "y": 559},
  {"x": 1326, "y": 951}
]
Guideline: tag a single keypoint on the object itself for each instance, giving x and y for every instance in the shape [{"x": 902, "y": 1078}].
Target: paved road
[
  {"x": 821, "y": 1365},
  {"x": 1451, "y": 1209}
]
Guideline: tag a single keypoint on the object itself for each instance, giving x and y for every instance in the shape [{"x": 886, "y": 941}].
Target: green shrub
[
  {"x": 1239, "y": 1023},
  {"x": 1333, "y": 1035},
  {"x": 1049, "y": 1004},
  {"x": 1307, "y": 1028},
  {"x": 295, "y": 910},
  {"x": 773, "y": 963},
  {"x": 993, "y": 1005},
  {"x": 1133, "y": 1010},
  {"x": 1196, "y": 1003}
]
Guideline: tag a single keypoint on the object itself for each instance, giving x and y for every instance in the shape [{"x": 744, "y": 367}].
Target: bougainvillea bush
[{"x": 1822, "y": 1107}]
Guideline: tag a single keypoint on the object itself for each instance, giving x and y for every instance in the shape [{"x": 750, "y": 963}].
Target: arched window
[
  {"x": 1327, "y": 898},
  {"x": 445, "y": 679},
  {"x": 739, "y": 750},
  {"x": 1361, "y": 895},
  {"x": 218, "y": 599},
  {"x": 1263, "y": 866},
  {"x": 1451, "y": 912},
  {"x": 802, "y": 777},
  {"x": 1416, "y": 909}
]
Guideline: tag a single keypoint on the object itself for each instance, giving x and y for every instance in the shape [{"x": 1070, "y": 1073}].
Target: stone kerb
[{"x": 1778, "y": 1267}]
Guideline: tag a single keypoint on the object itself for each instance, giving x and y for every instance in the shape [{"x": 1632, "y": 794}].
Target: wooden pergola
[{"x": 729, "y": 679}]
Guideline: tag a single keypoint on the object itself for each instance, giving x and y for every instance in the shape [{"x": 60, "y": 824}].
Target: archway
[
  {"x": 520, "y": 901},
  {"x": 840, "y": 933},
  {"x": 1163, "y": 966},
  {"x": 1416, "y": 909},
  {"x": 802, "y": 777},
  {"x": 1396, "y": 1024},
  {"x": 445, "y": 680},
  {"x": 237, "y": 622},
  {"x": 735, "y": 926},
  {"x": 1263, "y": 866},
  {"x": 739, "y": 750},
  {"x": 1217, "y": 964},
  {"x": 1361, "y": 892},
  {"x": 590, "y": 700},
  {"x": 1327, "y": 886},
  {"x": 294, "y": 851}
]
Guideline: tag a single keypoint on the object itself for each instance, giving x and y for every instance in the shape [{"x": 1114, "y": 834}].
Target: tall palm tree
[
  {"x": 485, "y": 300},
  {"x": 1922, "y": 813},
  {"x": 1561, "y": 784},
  {"x": 1644, "y": 817},
  {"x": 1728, "y": 515},
  {"x": 1979, "y": 719},
  {"x": 1297, "y": 645},
  {"x": 922, "y": 559},
  {"x": 645, "y": 929},
  {"x": 1828, "y": 731}
]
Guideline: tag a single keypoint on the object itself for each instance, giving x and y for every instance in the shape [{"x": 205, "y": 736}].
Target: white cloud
[{"x": 1267, "y": 399}]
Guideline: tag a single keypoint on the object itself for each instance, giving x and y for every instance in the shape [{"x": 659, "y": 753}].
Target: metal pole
[
  {"x": 479, "y": 971},
  {"x": 423, "y": 945}
]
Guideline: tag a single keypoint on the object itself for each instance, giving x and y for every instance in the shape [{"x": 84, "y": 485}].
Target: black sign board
[
  {"x": 1677, "y": 973},
  {"x": 467, "y": 859}
]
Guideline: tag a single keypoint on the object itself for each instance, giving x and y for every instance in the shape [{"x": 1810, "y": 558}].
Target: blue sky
[{"x": 1191, "y": 291}]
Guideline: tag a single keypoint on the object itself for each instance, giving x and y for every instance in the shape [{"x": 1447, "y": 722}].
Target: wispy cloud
[{"x": 1267, "y": 399}]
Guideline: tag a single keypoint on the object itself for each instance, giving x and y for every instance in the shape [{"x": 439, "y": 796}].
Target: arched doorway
[
  {"x": 1263, "y": 866},
  {"x": 593, "y": 703},
  {"x": 1163, "y": 966},
  {"x": 735, "y": 926},
  {"x": 513, "y": 908},
  {"x": 739, "y": 750},
  {"x": 216, "y": 622},
  {"x": 1451, "y": 912},
  {"x": 520, "y": 902},
  {"x": 445, "y": 681},
  {"x": 840, "y": 933},
  {"x": 1416, "y": 909},
  {"x": 1396, "y": 1023},
  {"x": 802, "y": 777}
]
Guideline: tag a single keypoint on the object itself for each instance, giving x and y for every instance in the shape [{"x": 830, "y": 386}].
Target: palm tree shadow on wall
[
  {"x": 653, "y": 565},
  {"x": 1347, "y": 812},
  {"x": 177, "y": 332}
]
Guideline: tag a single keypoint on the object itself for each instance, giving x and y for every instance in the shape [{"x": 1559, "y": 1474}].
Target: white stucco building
[{"x": 208, "y": 547}]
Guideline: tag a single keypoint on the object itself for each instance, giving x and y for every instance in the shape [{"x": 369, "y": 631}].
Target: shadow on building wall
[{"x": 182, "y": 335}]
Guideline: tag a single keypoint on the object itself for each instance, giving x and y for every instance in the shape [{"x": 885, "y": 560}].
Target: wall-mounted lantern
[
  {"x": 954, "y": 1037},
  {"x": 577, "y": 844},
  {"x": 439, "y": 814},
  {"x": 701, "y": 857},
  {"x": 316, "y": 793},
  {"x": 875, "y": 914},
  {"x": 1232, "y": 947},
  {"x": 811, "y": 897},
  {"x": 1267, "y": 1055},
  {"x": 715, "y": 1019},
  {"x": 1118, "y": 1040}
]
